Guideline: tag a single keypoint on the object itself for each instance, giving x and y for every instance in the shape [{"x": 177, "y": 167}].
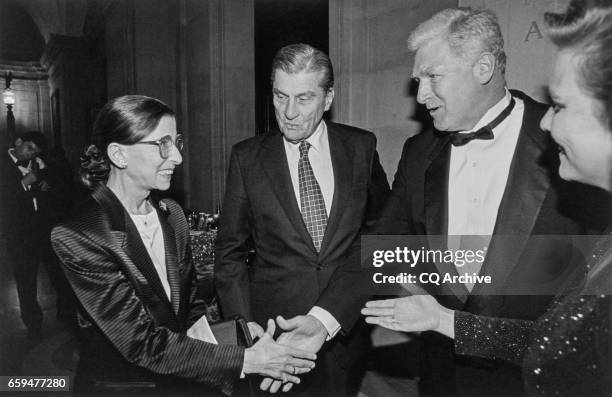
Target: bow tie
[
  {"x": 22, "y": 163},
  {"x": 486, "y": 132}
]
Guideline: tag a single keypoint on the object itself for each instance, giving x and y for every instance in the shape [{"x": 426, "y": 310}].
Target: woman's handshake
[{"x": 271, "y": 359}]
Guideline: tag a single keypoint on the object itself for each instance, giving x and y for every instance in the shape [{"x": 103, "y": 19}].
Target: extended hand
[
  {"x": 268, "y": 358},
  {"x": 304, "y": 332},
  {"x": 410, "y": 314}
]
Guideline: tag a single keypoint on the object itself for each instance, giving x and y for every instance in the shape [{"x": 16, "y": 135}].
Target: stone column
[
  {"x": 372, "y": 66},
  {"x": 217, "y": 93},
  {"x": 76, "y": 91}
]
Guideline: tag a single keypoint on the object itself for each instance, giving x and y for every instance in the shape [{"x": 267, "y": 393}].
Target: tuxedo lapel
[
  {"x": 436, "y": 187},
  {"x": 341, "y": 153},
  {"x": 436, "y": 207},
  {"x": 274, "y": 163},
  {"x": 132, "y": 244},
  {"x": 527, "y": 187}
]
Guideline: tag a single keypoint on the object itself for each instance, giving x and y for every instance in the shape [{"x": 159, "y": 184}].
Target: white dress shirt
[
  {"x": 320, "y": 160},
  {"x": 479, "y": 172}
]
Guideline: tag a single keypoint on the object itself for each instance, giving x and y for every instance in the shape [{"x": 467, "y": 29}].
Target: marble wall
[
  {"x": 373, "y": 67},
  {"x": 197, "y": 57},
  {"x": 76, "y": 90},
  {"x": 529, "y": 53}
]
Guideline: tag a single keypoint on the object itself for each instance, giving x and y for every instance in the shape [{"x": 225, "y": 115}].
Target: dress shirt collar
[
  {"x": 317, "y": 140},
  {"x": 10, "y": 152},
  {"x": 492, "y": 113}
]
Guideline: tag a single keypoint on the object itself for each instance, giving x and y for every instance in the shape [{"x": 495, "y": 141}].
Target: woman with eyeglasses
[
  {"x": 126, "y": 255},
  {"x": 568, "y": 350}
]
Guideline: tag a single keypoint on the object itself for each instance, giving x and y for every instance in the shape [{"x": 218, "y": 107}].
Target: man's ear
[
  {"x": 484, "y": 67},
  {"x": 329, "y": 98},
  {"x": 117, "y": 155},
  {"x": 18, "y": 142}
]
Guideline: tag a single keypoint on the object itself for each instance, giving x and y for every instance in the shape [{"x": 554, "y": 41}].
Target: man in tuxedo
[
  {"x": 299, "y": 196},
  {"x": 486, "y": 169},
  {"x": 24, "y": 221}
]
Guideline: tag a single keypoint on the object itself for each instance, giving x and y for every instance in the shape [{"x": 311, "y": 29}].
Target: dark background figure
[{"x": 24, "y": 220}]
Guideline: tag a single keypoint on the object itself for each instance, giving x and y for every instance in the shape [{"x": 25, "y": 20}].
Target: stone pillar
[
  {"x": 76, "y": 91},
  {"x": 197, "y": 56},
  {"x": 217, "y": 94},
  {"x": 372, "y": 67}
]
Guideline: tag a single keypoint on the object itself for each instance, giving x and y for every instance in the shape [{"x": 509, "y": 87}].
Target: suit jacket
[
  {"x": 22, "y": 226},
  {"x": 535, "y": 202},
  {"x": 130, "y": 331},
  {"x": 287, "y": 276}
]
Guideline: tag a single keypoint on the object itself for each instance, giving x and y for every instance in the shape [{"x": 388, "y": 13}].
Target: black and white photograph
[{"x": 310, "y": 198}]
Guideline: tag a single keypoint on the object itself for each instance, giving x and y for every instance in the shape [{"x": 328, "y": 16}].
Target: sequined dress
[{"x": 568, "y": 350}]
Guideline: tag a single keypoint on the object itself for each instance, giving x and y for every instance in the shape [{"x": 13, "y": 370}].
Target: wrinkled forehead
[
  {"x": 434, "y": 57},
  {"x": 301, "y": 81}
]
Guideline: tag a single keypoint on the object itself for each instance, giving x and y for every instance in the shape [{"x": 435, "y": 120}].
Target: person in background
[
  {"x": 126, "y": 256},
  {"x": 23, "y": 190},
  {"x": 567, "y": 351},
  {"x": 301, "y": 194}
]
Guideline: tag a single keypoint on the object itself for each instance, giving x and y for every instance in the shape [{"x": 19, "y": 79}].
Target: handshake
[{"x": 293, "y": 353}]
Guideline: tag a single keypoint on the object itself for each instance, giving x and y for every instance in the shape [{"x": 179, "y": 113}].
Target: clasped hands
[{"x": 304, "y": 333}]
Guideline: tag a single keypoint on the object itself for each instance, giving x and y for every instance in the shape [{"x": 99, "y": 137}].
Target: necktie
[
  {"x": 486, "y": 132},
  {"x": 311, "y": 198}
]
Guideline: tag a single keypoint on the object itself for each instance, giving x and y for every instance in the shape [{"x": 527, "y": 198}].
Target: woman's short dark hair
[
  {"x": 125, "y": 120},
  {"x": 586, "y": 29}
]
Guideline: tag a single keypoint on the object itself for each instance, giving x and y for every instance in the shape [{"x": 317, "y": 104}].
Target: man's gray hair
[
  {"x": 296, "y": 58},
  {"x": 468, "y": 32}
]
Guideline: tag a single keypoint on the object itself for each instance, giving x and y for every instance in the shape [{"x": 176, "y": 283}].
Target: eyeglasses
[{"x": 165, "y": 144}]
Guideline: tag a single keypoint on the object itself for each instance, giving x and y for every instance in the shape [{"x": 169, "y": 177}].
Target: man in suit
[
  {"x": 24, "y": 221},
  {"x": 465, "y": 180},
  {"x": 300, "y": 195}
]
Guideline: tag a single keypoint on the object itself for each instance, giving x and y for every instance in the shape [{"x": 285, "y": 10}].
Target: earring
[{"x": 122, "y": 164}]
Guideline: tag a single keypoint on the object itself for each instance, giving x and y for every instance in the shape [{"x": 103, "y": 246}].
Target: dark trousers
[
  {"x": 25, "y": 270},
  {"x": 65, "y": 300}
]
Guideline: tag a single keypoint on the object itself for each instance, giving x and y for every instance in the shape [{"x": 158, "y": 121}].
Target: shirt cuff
[{"x": 329, "y": 322}]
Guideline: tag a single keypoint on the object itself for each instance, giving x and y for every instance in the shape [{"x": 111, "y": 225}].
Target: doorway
[{"x": 279, "y": 23}]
